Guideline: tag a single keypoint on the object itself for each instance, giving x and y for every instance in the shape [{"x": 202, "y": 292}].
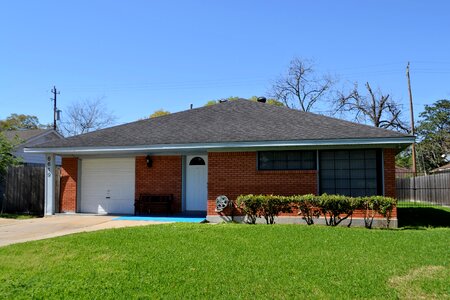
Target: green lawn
[
  {"x": 17, "y": 216},
  {"x": 231, "y": 261}
]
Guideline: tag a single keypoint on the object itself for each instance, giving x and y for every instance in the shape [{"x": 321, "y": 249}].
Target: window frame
[{"x": 301, "y": 161}]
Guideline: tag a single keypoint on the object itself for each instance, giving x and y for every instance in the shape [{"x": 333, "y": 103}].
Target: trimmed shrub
[
  {"x": 250, "y": 205},
  {"x": 377, "y": 204},
  {"x": 385, "y": 208},
  {"x": 266, "y": 206},
  {"x": 308, "y": 207},
  {"x": 272, "y": 206},
  {"x": 333, "y": 206},
  {"x": 369, "y": 206}
]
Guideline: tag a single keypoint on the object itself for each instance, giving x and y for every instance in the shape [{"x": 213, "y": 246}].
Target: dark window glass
[
  {"x": 197, "y": 161},
  {"x": 350, "y": 172},
  {"x": 287, "y": 160}
]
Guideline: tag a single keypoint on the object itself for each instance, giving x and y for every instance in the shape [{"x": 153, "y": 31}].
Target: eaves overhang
[{"x": 370, "y": 142}]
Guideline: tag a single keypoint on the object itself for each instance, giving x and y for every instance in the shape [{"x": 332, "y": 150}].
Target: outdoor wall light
[{"x": 149, "y": 161}]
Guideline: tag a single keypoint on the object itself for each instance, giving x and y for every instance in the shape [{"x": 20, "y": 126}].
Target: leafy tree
[
  {"x": 404, "y": 158},
  {"x": 376, "y": 108},
  {"x": 212, "y": 102},
  {"x": 86, "y": 116},
  {"x": 433, "y": 131},
  {"x": 159, "y": 113},
  {"x": 6, "y": 157},
  {"x": 20, "y": 121},
  {"x": 270, "y": 101},
  {"x": 301, "y": 87}
]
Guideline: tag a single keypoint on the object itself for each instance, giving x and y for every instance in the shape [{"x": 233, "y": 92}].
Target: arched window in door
[{"x": 197, "y": 161}]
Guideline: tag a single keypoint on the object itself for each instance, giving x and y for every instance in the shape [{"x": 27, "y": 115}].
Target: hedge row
[{"x": 334, "y": 208}]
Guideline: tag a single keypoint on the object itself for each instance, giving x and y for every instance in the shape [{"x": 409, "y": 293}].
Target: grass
[
  {"x": 17, "y": 216},
  {"x": 231, "y": 261}
]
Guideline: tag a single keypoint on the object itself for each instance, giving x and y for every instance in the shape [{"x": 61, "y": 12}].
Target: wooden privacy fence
[
  {"x": 23, "y": 190},
  {"x": 433, "y": 189}
]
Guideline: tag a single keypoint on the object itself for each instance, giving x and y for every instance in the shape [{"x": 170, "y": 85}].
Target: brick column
[{"x": 69, "y": 178}]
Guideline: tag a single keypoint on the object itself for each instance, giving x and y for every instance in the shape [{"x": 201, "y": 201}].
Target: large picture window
[
  {"x": 350, "y": 172},
  {"x": 287, "y": 160}
]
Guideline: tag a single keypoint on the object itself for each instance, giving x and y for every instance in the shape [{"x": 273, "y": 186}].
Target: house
[
  {"x": 442, "y": 169},
  {"x": 29, "y": 138},
  {"x": 232, "y": 148},
  {"x": 403, "y": 172}
]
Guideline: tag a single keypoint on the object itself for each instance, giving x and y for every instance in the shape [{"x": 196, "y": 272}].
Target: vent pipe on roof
[{"x": 262, "y": 99}]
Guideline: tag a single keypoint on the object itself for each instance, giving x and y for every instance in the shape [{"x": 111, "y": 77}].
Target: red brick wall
[
  {"x": 389, "y": 175},
  {"x": 235, "y": 173},
  {"x": 69, "y": 177},
  {"x": 164, "y": 177}
]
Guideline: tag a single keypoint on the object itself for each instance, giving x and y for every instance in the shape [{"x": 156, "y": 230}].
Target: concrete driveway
[{"x": 18, "y": 231}]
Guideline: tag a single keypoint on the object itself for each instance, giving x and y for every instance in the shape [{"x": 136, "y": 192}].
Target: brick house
[{"x": 231, "y": 148}]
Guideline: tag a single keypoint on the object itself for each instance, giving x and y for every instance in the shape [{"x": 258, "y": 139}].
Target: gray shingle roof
[
  {"x": 233, "y": 121},
  {"x": 24, "y": 134}
]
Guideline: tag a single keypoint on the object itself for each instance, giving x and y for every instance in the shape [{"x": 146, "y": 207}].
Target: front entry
[{"x": 196, "y": 182}]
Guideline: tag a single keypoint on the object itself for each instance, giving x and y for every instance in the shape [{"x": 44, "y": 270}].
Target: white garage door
[{"x": 107, "y": 185}]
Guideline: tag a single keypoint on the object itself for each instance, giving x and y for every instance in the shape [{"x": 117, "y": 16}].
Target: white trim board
[{"x": 372, "y": 142}]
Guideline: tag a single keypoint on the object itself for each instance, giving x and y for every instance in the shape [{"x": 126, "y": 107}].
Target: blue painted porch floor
[{"x": 160, "y": 219}]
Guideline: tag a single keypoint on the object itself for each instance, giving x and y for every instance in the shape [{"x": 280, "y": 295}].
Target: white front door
[{"x": 196, "y": 182}]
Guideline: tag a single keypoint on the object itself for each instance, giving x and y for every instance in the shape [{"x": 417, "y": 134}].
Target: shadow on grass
[{"x": 414, "y": 217}]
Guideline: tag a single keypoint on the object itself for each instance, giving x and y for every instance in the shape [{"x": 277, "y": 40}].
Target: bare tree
[
  {"x": 300, "y": 87},
  {"x": 85, "y": 116},
  {"x": 378, "y": 109}
]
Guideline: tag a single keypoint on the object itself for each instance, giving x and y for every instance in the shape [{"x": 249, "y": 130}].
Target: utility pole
[
  {"x": 412, "y": 121},
  {"x": 55, "y": 110}
]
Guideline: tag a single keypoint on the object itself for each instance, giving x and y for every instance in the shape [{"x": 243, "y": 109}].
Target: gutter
[{"x": 386, "y": 142}]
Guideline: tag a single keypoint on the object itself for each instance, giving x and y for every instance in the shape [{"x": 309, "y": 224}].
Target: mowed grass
[
  {"x": 231, "y": 261},
  {"x": 17, "y": 216}
]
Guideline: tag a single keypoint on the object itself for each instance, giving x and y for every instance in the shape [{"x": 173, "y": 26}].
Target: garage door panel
[{"x": 107, "y": 185}]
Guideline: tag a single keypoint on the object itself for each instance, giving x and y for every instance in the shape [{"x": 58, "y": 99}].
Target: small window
[
  {"x": 287, "y": 160},
  {"x": 197, "y": 161}
]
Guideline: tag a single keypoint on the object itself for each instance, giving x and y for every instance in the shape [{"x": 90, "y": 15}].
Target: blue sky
[{"x": 146, "y": 55}]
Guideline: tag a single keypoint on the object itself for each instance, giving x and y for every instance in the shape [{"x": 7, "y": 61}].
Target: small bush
[
  {"x": 272, "y": 206},
  {"x": 250, "y": 205},
  {"x": 308, "y": 207},
  {"x": 385, "y": 208},
  {"x": 266, "y": 206},
  {"x": 333, "y": 206},
  {"x": 369, "y": 206}
]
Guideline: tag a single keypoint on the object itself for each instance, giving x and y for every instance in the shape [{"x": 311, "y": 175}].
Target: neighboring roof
[
  {"x": 25, "y": 134},
  {"x": 399, "y": 169},
  {"x": 229, "y": 122},
  {"x": 444, "y": 168}
]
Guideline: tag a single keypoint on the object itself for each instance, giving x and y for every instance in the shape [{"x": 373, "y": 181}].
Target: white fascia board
[{"x": 220, "y": 146}]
